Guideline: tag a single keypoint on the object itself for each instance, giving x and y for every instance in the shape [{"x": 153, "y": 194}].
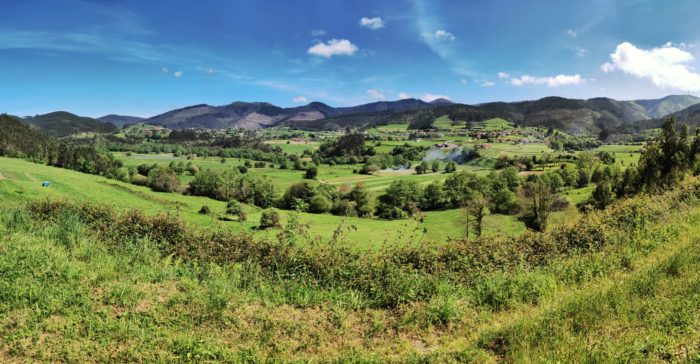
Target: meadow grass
[
  {"x": 22, "y": 181},
  {"x": 626, "y": 290}
]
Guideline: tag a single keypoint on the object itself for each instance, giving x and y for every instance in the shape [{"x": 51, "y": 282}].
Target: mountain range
[{"x": 576, "y": 116}]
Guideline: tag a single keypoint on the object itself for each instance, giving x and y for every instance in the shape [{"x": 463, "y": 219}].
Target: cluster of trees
[
  {"x": 324, "y": 198},
  {"x": 19, "y": 140},
  {"x": 496, "y": 192},
  {"x": 663, "y": 162},
  {"x": 560, "y": 142},
  {"x": 231, "y": 184},
  {"x": 348, "y": 149}
]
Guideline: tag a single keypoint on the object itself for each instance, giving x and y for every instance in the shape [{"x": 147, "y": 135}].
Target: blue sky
[{"x": 146, "y": 57}]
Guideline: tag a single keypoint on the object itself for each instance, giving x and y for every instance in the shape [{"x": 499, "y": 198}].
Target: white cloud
[
  {"x": 503, "y": 75},
  {"x": 300, "y": 100},
  {"x": 581, "y": 52},
  {"x": 487, "y": 83},
  {"x": 551, "y": 81},
  {"x": 178, "y": 74},
  {"x": 665, "y": 67},
  {"x": 376, "y": 94},
  {"x": 439, "y": 35},
  {"x": 210, "y": 71},
  {"x": 463, "y": 81},
  {"x": 334, "y": 47},
  {"x": 571, "y": 33},
  {"x": 165, "y": 69},
  {"x": 403, "y": 95},
  {"x": 318, "y": 32},
  {"x": 372, "y": 23},
  {"x": 433, "y": 97}
]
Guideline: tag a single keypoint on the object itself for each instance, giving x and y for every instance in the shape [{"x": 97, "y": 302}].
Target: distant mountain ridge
[
  {"x": 255, "y": 115},
  {"x": 576, "y": 116},
  {"x": 572, "y": 115},
  {"x": 120, "y": 120}
]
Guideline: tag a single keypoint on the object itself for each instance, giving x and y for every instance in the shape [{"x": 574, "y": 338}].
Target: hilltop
[{"x": 62, "y": 123}]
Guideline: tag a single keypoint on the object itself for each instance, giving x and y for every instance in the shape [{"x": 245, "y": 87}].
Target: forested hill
[
  {"x": 18, "y": 139},
  {"x": 61, "y": 124}
]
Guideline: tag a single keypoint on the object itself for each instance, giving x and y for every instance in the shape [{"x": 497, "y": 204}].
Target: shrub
[
  {"x": 270, "y": 218},
  {"x": 163, "y": 179},
  {"x": 320, "y": 204},
  {"x": 311, "y": 173},
  {"x": 369, "y": 169},
  {"x": 233, "y": 207},
  {"x": 205, "y": 210}
]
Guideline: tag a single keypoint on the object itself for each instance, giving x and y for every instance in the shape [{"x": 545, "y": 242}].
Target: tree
[
  {"x": 360, "y": 197},
  {"x": 450, "y": 167},
  {"x": 163, "y": 179},
  {"x": 401, "y": 199},
  {"x": 541, "y": 196},
  {"x": 435, "y": 166},
  {"x": 477, "y": 207},
  {"x": 603, "y": 194},
  {"x": 320, "y": 204},
  {"x": 311, "y": 173},
  {"x": 422, "y": 167},
  {"x": 433, "y": 197}
]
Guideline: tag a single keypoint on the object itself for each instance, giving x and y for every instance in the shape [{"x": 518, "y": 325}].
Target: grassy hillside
[
  {"x": 619, "y": 286},
  {"x": 21, "y": 180}
]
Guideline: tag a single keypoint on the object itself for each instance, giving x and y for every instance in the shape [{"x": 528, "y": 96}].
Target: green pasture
[{"x": 21, "y": 180}]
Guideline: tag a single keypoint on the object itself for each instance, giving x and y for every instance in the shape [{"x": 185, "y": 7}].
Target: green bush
[{"x": 270, "y": 218}]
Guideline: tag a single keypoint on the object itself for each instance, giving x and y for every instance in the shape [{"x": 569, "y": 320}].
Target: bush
[
  {"x": 204, "y": 210},
  {"x": 270, "y": 218},
  {"x": 319, "y": 204},
  {"x": 311, "y": 173},
  {"x": 233, "y": 207},
  {"x": 163, "y": 179}
]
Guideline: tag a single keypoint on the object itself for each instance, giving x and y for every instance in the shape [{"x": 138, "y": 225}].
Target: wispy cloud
[
  {"x": 334, "y": 47},
  {"x": 404, "y": 95},
  {"x": 503, "y": 75},
  {"x": 318, "y": 32},
  {"x": 372, "y": 23},
  {"x": 550, "y": 81},
  {"x": 300, "y": 100},
  {"x": 440, "y": 41},
  {"x": 427, "y": 97},
  {"x": 439, "y": 35},
  {"x": 178, "y": 74},
  {"x": 375, "y": 94},
  {"x": 666, "y": 67},
  {"x": 487, "y": 83}
]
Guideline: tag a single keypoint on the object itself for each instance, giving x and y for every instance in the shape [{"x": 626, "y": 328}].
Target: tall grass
[{"x": 82, "y": 282}]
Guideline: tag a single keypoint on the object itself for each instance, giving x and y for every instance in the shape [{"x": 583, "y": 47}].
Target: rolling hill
[
  {"x": 120, "y": 120},
  {"x": 61, "y": 124}
]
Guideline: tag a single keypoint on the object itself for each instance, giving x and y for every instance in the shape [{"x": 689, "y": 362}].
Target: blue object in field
[{"x": 46, "y": 184}]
